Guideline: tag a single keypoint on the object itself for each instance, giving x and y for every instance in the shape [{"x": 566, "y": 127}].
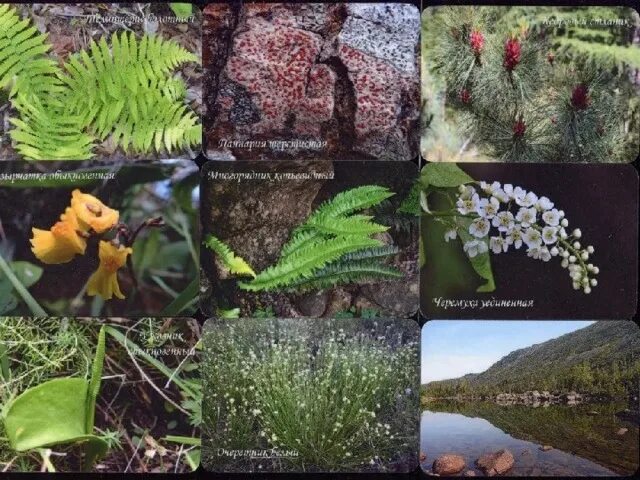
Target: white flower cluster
[{"x": 518, "y": 218}]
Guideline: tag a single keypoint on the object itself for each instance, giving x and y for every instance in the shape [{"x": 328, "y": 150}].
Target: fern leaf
[
  {"x": 303, "y": 262},
  {"x": 342, "y": 226},
  {"x": 231, "y": 261},
  {"x": 300, "y": 239},
  {"x": 127, "y": 91},
  {"x": 352, "y": 200},
  {"x": 43, "y": 133},
  {"x": 344, "y": 272},
  {"x": 371, "y": 253},
  {"x": 23, "y": 60}
]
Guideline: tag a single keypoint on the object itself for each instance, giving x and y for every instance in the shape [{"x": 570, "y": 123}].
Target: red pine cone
[
  {"x": 580, "y": 99},
  {"x": 519, "y": 128},
  {"x": 476, "y": 40},
  {"x": 512, "y": 50},
  {"x": 465, "y": 96}
]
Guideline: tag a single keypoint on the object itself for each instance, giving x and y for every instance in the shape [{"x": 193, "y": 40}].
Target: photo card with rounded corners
[
  {"x": 530, "y": 398},
  {"x": 309, "y": 239},
  {"x": 554, "y": 84},
  {"x": 99, "y": 239},
  {"x": 529, "y": 241},
  {"x": 100, "y": 395},
  {"x": 310, "y": 395},
  {"x": 298, "y": 80},
  {"x": 109, "y": 82}
]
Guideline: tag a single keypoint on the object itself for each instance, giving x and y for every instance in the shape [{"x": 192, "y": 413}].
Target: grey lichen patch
[{"x": 389, "y": 32}]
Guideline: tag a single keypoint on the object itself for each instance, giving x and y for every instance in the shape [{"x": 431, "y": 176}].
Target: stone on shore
[
  {"x": 495, "y": 463},
  {"x": 448, "y": 464}
]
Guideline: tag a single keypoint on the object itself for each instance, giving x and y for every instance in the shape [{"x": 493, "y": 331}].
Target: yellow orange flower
[
  {"x": 104, "y": 281},
  {"x": 61, "y": 243},
  {"x": 92, "y": 213}
]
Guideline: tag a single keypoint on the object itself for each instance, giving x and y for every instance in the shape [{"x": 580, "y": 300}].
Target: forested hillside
[{"x": 601, "y": 359}]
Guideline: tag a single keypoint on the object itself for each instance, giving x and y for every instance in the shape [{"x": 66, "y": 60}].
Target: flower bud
[
  {"x": 572, "y": 259},
  {"x": 596, "y": 270},
  {"x": 564, "y": 263},
  {"x": 590, "y": 249},
  {"x": 565, "y": 254},
  {"x": 584, "y": 256},
  {"x": 554, "y": 251},
  {"x": 577, "y": 233},
  {"x": 576, "y": 245},
  {"x": 587, "y": 289},
  {"x": 594, "y": 282},
  {"x": 576, "y": 286},
  {"x": 564, "y": 222}
]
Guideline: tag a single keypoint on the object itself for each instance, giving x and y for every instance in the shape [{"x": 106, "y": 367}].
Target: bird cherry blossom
[{"x": 495, "y": 217}]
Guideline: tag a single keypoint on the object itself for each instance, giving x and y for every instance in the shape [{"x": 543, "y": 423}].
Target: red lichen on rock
[
  {"x": 378, "y": 90},
  {"x": 277, "y": 67}
]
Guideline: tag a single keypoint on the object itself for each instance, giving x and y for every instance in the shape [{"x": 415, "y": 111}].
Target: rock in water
[
  {"x": 448, "y": 464},
  {"x": 495, "y": 463},
  {"x": 622, "y": 431},
  {"x": 546, "y": 448}
]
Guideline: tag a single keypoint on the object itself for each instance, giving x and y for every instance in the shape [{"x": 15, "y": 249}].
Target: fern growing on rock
[
  {"x": 122, "y": 89},
  {"x": 230, "y": 260},
  {"x": 336, "y": 245}
]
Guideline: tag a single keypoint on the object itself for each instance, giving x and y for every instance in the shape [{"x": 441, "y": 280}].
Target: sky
[{"x": 452, "y": 348}]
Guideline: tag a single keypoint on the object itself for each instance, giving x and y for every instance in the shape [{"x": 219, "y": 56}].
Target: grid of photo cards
[{"x": 289, "y": 238}]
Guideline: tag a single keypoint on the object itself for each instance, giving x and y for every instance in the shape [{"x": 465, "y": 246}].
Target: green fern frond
[
  {"x": 23, "y": 60},
  {"x": 127, "y": 90},
  {"x": 371, "y": 253},
  {"x": 343, "y": 272},
  {"x": 342, "y": 226},
  {"x": 301, "y": 238},
  {"x": 351, "y": 201},
  {"x": 231, "y": 261},
  {"x": 303, "y": 262},
  {"x": 43, "y": 133}
]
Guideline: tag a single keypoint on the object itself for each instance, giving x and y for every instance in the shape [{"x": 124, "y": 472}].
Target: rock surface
[
  {"x": 496, "y": 463},
  {"x": 252, "y": 220},
  {"x": 448, "y": 464},
  {"x": 546, "y": 448},
  {"x": 333, "y": 80}
]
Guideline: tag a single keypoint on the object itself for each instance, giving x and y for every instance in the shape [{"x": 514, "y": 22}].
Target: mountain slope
[{"x": 603, "y": 358}]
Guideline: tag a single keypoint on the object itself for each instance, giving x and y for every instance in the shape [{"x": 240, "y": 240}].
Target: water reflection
[{"x": 585, "y": 437}]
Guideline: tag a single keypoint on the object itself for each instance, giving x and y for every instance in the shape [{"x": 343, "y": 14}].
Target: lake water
[{"x": 585, "y": 437}]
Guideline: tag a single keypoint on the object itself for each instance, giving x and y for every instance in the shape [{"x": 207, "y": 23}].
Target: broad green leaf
[
  {"x": 51, "y": 413},
  {"x": 26, "y": 272},
  {"x": 481, "y": 263},
  {"x": 443, "y": 175}
]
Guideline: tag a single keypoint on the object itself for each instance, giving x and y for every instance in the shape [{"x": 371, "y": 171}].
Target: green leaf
[
  {"x": 8, "y": 303},
  {"x": 182, "y": 10},
  {"x": 228, "y": 313},
  {"x": 231, "y": 261},
  {"x": 35, "y": 308},
  {"x": 183, "y": 300},
  {"x": 443, "y": 175},
  {"x": 27, "y": 273},
  {"x": 48, "y": 414},
  {"x": 481, "y": 263}
]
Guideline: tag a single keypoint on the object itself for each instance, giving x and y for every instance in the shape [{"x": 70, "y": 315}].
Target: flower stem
[{"x": 36, "y": 309}]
